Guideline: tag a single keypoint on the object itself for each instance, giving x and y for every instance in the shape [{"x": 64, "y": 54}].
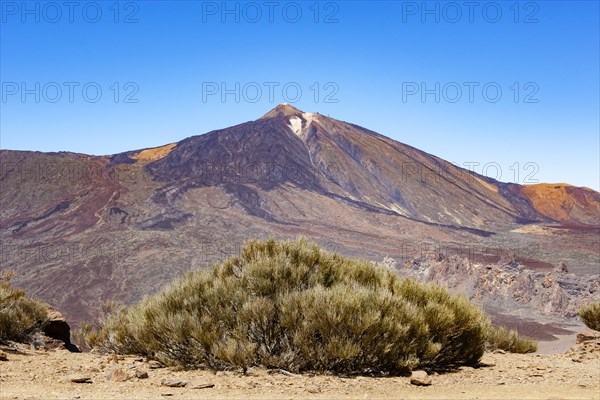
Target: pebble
[
  {"x": 118, "y": 375},
  {"x": 199, "y": 385},
  {"x": 77, "y": 378},
  {"x": 174, "y": 382},
  {"x": 420, "y": 378}
]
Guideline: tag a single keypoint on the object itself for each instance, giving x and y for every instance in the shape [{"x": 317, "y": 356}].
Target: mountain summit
[
  {"x": 119, "y": 227},
  {"x": 283, "y": 110}
]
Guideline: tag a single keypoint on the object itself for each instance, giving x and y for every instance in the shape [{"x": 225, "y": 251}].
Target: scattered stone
[
  {"x": 174, "y": 382},
  {"x": 586, "y": 336},
  {"x": 313, "y": 389},
  {"x": 154, "y": 364},
  {"x": 283, "y": 372},
  {"x": 112, "y": 358},
  {"x": 420, "y": 378},
  {"x": 77, "y": 378},
  {"x": 118, "y": 375},
  {"x": 499, "y": 351},
  {"x": 548, "y": 282},
  {"x": 141, "y": 374},
  {"x": 166, "y": 394},
  {"x": 199, "y": 385},
  {"x": 563, "y": 267},
  {"x": 3, "y": 356}
]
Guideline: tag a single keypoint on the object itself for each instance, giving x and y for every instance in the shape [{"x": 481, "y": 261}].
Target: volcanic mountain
[{"x": 81, "y": 229}]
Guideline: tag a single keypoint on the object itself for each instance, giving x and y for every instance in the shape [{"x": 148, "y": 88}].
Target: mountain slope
[{"x": 321, "y": 154}]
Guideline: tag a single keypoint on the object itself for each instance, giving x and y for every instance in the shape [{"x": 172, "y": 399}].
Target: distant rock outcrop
[{"x": 508, "y": 286}]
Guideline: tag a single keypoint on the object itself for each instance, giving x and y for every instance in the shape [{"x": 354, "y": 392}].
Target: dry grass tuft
[
  {"x": 590, "y": 315},
  {"x": 509, "y": 340}
]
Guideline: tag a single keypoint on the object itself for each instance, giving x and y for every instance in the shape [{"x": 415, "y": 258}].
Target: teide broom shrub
[
  {"x": 291, "y": 305},
  {"x": 590, "y": 315},
  {"x": 20, "y": 316}
]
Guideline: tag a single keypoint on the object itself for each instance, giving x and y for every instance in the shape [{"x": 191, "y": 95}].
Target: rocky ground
[{"x": 55, "y": 374}]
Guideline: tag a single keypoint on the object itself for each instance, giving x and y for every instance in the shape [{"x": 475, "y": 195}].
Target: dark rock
[
  {"x": 141, "y": 374},
  {"x": 58, "y": 328},
  {"x": 587, "y": 336}
]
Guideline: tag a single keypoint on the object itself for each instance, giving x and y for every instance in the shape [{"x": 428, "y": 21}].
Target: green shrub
[
  {"x": 590, "y": 315},
  {"x": 509, "y": 340},
  {"x": 20, "y": 316},
  {"x": 291, "y": 305}
]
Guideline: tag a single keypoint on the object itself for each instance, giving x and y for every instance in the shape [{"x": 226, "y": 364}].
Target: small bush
[
  {"x": 509, "y": 340},
  {"x": 291, "y": 305},
  {"x": 590, "y": 315},
  {"x": 86, "y": 335},
  {"x": 20, "y": 316}
]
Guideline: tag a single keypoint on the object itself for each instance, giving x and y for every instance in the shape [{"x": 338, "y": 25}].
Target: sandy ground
[
  {"x": 562, "y": 344},
  {"x": 30, "y": 374}
]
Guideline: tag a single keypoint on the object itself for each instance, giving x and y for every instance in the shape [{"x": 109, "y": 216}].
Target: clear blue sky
[{"x": 376, "y": 56}]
